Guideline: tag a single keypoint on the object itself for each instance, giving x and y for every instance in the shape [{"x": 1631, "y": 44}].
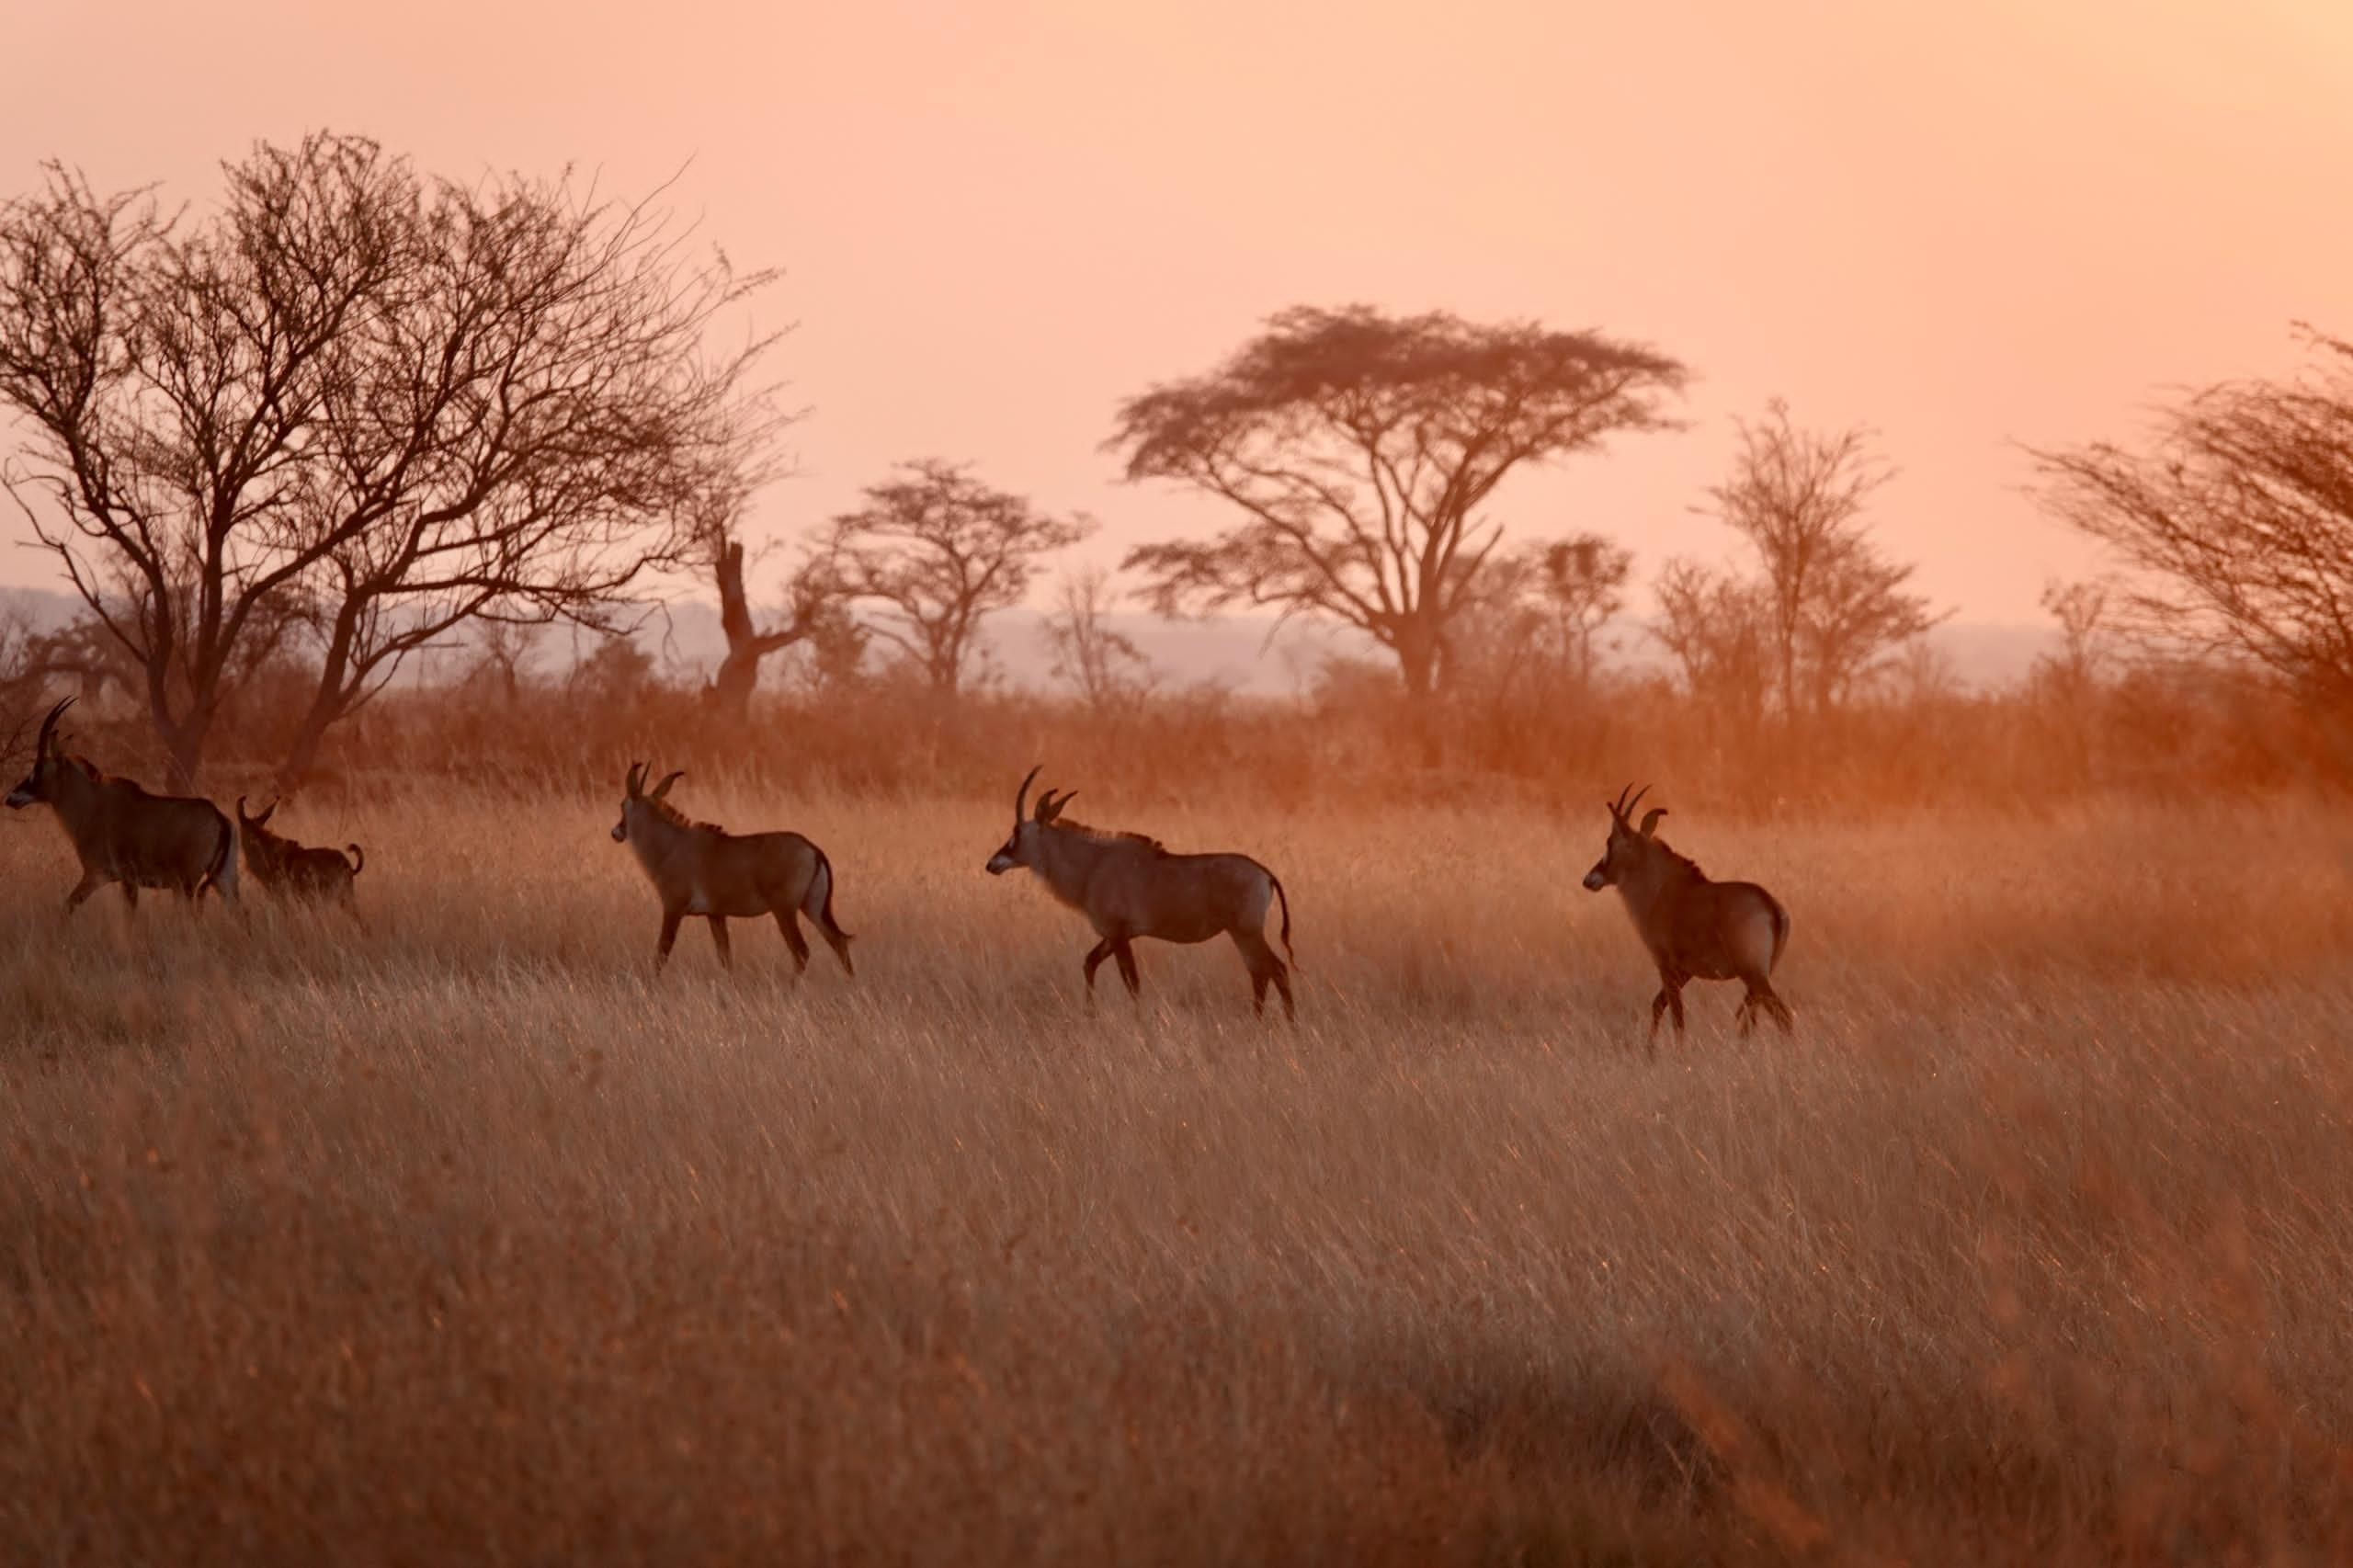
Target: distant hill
[{"x": 1229, "y": 650}]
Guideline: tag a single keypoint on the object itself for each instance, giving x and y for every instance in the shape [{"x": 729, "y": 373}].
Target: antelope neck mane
[
  {"x": 1673, "y": 864},
  {"x": 1106, "y": 835},
  {"x": 676, "y": 818},
  {"x": 97, "y": 775}
]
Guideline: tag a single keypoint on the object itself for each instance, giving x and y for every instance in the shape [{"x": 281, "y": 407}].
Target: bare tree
[
  {"x": 2236, "y": 522},
  {"x": 1835, "y": 608},
  {"x": 2084, "y": 614},
  {"x": 355, "y": 406},
  {"x": 1581, "y": 584},
  {"x": 1102, "y": 662},
  {"x": 1717, "y": 628},
  {"x": 1361, "y": 448},
  {"x": 813, "y": 598},
  {"x": 940, "y": 551}
]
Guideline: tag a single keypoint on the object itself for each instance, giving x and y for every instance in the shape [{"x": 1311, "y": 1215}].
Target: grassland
[{"x": 469, "y": 1240}]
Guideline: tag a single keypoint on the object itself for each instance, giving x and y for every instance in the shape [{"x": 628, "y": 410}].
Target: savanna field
[{"x": 466, "y": 1238}]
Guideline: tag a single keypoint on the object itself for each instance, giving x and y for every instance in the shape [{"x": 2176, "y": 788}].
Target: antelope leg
[{"x": 83, "y": 890}]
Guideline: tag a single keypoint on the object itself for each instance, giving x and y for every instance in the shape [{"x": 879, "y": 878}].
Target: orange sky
[{"x": 2013, "y": 220}]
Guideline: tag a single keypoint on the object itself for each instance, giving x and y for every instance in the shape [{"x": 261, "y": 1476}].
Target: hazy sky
[{"x": 2017, "y": 220}]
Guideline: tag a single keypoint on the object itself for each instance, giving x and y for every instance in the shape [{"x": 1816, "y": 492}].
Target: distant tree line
[{"x": 353, "y": 411}]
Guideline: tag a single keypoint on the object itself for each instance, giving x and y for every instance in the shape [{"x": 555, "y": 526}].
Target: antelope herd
[{"x": 1127, "y": 885}]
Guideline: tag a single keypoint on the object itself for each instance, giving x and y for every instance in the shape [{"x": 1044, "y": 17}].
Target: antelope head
[
  {"x": 1021, "y": 849},
  {"x": 37, "y": 785},
  {"x": 637, "y": 800},
  {"x": 1627, "y": 842}
]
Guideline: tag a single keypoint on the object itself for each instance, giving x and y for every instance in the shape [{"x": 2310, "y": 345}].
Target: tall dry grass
[{"x": 468, "y": 1240}]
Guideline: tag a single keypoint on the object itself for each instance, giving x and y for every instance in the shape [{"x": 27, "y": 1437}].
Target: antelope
[
  {"x": 705, "y": 871},
  {"x": 296, "y": 870},
  {"x": 1695, "y": 928},
  {"x": 1129, "y": 886},
  {"x": 124, "y": 834}
]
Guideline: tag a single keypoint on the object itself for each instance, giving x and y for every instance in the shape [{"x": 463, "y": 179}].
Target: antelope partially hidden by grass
[
  {"x": 1695, "y": 928},
  {"x": 124, "y": 834},
  {"x": 705, "y": 871},
  {"x": 1128, "y": 886},
  {"x": 296, "y": 870}
]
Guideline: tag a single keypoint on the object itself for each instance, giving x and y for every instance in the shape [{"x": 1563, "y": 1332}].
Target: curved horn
[
  {"x": 49, "y": 728},
  {"x": 1618, "y": 806},
  {"x": 633, "y": 782},
  {"x": 663, "y": 788},
  {"x": 1628, "y": 811},
  {"x": 1021, "y": 796},
  {"x": 1650, "y": 820},
  {"x": 1049, "y": 805}
]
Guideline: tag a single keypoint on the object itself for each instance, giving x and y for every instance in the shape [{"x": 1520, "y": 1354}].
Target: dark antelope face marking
[
  {"x": 636, "y": 800},
  {"x": 1021, "y": 849},
  {"x": 1625, "y": 841},
  {"x": 1014, "y": 851}
]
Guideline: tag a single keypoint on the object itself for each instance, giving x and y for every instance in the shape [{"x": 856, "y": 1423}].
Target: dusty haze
[{"x": 2021, "y": 222}]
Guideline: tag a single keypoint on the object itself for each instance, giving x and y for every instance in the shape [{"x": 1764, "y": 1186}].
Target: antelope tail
[
  {"x": 221, "y": 875},
  {"x": 824, "y": 894},
  {"x": 1284, "y": 899},
  {"x": 358, "y": 862}
]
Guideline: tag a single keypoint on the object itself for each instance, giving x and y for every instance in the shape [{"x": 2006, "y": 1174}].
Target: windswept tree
[
  {"x": 2234, "y": 522},
  {"x": 939, "y": 552},
  {"x": 354, "y": 407},
  {"x": 1359, "y": 448},
  {"x": 1835, "y": 608}
]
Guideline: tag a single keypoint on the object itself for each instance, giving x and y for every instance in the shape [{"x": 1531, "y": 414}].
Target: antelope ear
[
  {"x": 1650, "y": 820},
  {"x": 1048, "y": 811},
  {"x": 663, "y": 788}
]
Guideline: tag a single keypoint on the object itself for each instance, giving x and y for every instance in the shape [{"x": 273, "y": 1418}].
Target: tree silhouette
[
  {"x": 2235, "y": 522},
  {"x": 354, "y": 406},
  {"x": 1361, "y": 448},
  {"x": 940, "y": 551},
  {"x": 1834, "y": 607}
]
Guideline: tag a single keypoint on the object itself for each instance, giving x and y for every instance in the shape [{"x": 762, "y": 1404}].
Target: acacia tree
[
  {"x": 355, "y": 405},
  {"x": 940, "y": 551},
  {"x": 1833, "y": 604},
  {"x": 1361, "y": 448},
  {"x": 2236, "y": 522}
]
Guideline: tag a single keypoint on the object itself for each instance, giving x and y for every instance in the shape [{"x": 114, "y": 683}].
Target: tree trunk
[
  {"x": 739, "y": 672},
  {"x": 183, "y": 742},
  {"x": 327, "y": 701},
  {"x": 738, "y": 675},
  {"x": 1418, "y": 663}
]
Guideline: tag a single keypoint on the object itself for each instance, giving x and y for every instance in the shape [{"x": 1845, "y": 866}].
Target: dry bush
[{"x": 468, "y": 1240}]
